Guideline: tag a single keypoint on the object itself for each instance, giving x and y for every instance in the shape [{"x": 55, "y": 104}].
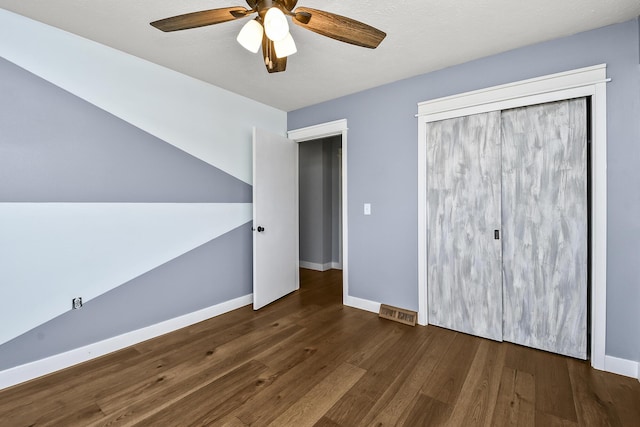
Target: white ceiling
[{"x": 422, "y": 36}]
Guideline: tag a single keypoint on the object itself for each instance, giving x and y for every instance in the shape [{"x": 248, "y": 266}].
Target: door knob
[{"x": 260, "y": 229}]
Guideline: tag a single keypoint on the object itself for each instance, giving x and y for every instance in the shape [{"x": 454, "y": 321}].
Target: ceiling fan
[{"x": 271, "y": 30}]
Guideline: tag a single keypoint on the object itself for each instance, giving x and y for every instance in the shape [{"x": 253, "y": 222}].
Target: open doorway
[
  {"x": 319, "y": 188},
  {"x": 336, "y": 129}
]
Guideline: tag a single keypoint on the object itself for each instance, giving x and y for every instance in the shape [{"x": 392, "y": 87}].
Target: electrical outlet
[{"x": 76, "y": 303}]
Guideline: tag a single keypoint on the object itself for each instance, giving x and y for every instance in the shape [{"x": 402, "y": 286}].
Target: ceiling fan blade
[
  {"x": 289, "y": 4},
  {"x": 302, "y": 17},
  {"x": 271, "y": 61},
  {"x": 201, "y": 19},
  {"x": 340, "y": 28},
  {"x": 242, "y": 13}
]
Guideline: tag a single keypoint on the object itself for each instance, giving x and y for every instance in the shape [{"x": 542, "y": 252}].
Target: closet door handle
[{"x": 496, "y": 234}]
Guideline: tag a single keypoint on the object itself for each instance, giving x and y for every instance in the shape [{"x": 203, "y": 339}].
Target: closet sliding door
[
  {"x": 544, "y": 217},
  {"x": 463, "y": 197}
]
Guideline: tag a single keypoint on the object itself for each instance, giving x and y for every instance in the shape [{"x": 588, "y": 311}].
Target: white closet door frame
[{"x": 589, "y": 81}]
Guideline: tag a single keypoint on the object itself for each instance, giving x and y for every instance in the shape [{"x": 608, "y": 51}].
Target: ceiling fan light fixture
[
  {"x": 250, "y": 36},
  {"x": 285, "y": 47},
  {"x": 270, "y": 29},
  {"x": 275, "y": 24}
]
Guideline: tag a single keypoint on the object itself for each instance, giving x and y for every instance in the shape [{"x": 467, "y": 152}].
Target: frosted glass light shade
[
  {"x": 275, "y": 24},
  {"x": 285, "y": 47},
  {"x": 250, "y": 36}
]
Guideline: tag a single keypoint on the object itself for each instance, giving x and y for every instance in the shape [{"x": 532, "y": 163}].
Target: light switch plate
[{"x": 367, "y": 208}]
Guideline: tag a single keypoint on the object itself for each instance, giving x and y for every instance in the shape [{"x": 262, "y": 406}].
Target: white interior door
[{"x": 275, "y": 217}]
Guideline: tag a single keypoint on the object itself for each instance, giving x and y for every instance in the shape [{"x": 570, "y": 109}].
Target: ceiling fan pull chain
[{"x": 267, "y": 59}]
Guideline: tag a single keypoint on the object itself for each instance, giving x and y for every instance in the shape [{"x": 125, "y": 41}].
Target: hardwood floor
[{"x": 306, "y": 360}]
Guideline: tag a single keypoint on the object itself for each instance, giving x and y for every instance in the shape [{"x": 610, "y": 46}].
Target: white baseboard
[
  {"x": 336, "y": 265},
  {"x": 316, "y": 266},
  {"x": 628, "y": 368},
  {"x": 29, "y": 371},
  {"x": 362, "y": 304}
]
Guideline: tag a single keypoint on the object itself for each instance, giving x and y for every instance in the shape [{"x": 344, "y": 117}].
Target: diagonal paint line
[
  {"x": 203, "y": 120},
  {"x": 52, "y": 252}
]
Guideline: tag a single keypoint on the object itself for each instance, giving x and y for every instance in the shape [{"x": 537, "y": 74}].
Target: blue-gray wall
[
  {"x": 56, "y": 147},
  {"x": 318, "y": 201},
  {"x": 310, "y": 205},
  {"x": 383, "y": 167},
  {"x": 336, "y": 192}
]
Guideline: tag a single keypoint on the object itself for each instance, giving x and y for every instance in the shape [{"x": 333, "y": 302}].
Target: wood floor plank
[
  {"x": 326, "y": 422},
  {"x": 203, "y": 404},
  {"x": 479, "y": 393},
  {"x": 231, "y": 421},
  {"x": 313, "y": 405},
  {"x": 147, "y": 377},
  {"x": 62, "y": 415},
  {"x": 515, "y": 402},
  {"x": 548, "y": 420},
  {"x": 76, "y": 416},
  {"x": 61, "y": 383},
  {"x": 554, "y": 395},
  {"x": 233, "y": 401},
  {"x": 382, "y": 371},
  {"x": 308, "y": 360},
  {"x": 388, "y": 335},
  {"x": 625, "y": 395},
  {"x": 330, "y": 353},
  {"x": 179, "y": 385},
  {"x": 281, "y": 359},
  {"x": 297, "y": 348},
  {"x": 393, "y": 404},
  {"x": 594, "y": 405},
  {"x": 427, "y": 411},
  {"x": 519, "y": 358},
  {"x": 231, "y": 322},
  {"x": 449, "y": 376}
]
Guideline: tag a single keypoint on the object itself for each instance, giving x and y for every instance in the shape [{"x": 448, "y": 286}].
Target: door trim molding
[
  {"x": 323, "y": 130},
  {"x": 589, "y": 81}
]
